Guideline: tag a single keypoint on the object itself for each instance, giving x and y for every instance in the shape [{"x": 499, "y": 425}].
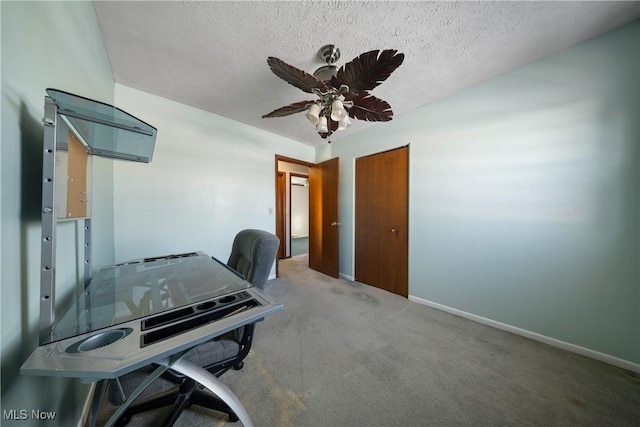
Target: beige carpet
[{"x": 347, "y": 354}]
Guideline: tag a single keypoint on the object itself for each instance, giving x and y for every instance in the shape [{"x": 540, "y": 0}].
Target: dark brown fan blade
[
  {"x": 369, "y": 108},
  {"x": 296, "y": 107},
  {"x": 294, "y": 76},
  {"x": 368, "y": 70}
]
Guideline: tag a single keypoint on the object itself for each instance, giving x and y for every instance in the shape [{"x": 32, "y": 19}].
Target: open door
[
  {"x": 324, "y": 234},
  {"x": 281, "y": 182}
]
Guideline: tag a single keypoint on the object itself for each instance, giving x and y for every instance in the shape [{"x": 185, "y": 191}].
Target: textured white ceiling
[{"x": 212, "y": 55}]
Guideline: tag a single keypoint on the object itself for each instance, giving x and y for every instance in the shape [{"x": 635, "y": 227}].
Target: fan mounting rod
[{"x": 329, "y": 53}]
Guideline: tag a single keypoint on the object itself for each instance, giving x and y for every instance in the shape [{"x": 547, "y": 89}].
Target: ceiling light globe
[
  {"x": 337, "y": 111},
  {"x": 344, "y": 123},
  {"x": 312, "y": 114},
  {"x": 322, "y": 125}
]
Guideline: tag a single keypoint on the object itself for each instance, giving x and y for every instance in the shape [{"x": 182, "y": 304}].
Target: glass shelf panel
[{"x": 106, "y": 130}]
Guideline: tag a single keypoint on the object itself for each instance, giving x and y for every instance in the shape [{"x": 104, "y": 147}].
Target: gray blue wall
[
  {"x": 44, "y": 44},
  {"x": 210, "y": 178},
  {"x": 524, "y": 196}
]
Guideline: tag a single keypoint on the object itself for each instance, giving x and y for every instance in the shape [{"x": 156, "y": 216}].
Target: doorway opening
[
  {"x": 292, "y": 209},
  {"x": 299, "y": 217},
  {"x": 322, "y": 211}
]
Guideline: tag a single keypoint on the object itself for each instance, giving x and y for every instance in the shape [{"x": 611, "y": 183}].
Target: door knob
[
  {"x": 393, "y": 230},
  {"x": 335, "y": 224}
]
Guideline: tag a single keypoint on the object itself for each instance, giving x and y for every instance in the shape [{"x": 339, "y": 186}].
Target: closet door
[{"x": 381, "y": 220}]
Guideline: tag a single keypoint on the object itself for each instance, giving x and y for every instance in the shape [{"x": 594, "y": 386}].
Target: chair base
[
  {"x": 186, "y": 394},
  {"x": 188, "y": 391}
]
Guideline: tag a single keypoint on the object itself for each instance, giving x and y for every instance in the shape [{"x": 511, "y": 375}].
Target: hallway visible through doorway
[
  {"x": 299, "y": 245},
  {"x": 293, "y": 222}
]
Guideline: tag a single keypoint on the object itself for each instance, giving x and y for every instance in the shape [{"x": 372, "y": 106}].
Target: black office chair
[{"x": 252, "y": 255}]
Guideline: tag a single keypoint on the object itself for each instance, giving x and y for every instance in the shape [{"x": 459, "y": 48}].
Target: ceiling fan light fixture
[
  {"x": 313, "y": 114},
  {"x": 322, "y": 125},
  {"x": 337, "y": 111},
  {"x": 344, "y": 123}
]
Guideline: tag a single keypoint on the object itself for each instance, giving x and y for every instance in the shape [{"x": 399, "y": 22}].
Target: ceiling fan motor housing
[{"x": 330, "y": 54}]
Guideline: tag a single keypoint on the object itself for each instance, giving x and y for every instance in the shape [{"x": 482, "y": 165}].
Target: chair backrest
[{"x": 252, "y": 255}]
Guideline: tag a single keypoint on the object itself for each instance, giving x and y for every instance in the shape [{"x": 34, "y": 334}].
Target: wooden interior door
[
  {"x": 324, "y": 234},
  {"x": 381, "y": 220},
  {"x": 281, "y": 184}
]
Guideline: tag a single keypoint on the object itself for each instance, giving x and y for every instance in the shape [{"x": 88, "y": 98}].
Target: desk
[{"x": 150, "y": 311}]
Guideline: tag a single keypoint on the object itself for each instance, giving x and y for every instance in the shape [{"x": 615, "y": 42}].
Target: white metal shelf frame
[
  {"x": 55, "y": 129},
  {"x": 129, "y": 139}
]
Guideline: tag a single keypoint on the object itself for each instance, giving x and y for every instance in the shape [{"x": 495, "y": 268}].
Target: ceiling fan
[{"x": 342, "y": 93}]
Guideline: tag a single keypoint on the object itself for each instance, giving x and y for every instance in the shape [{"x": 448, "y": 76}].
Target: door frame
[
  {"x": 285, "y": 159},
  {"x": 281, "y": 182}
]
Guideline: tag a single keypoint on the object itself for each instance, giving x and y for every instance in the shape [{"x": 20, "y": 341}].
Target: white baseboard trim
[
  {"x": 612, "y": 360},
  {"x": 347, "y": 277}
]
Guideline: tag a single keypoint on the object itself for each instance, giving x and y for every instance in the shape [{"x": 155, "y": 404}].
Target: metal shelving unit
[{"x": 78, "y": 127}]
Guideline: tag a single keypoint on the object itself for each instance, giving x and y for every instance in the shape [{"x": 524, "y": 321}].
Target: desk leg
[
  {"x": 96, "y": 401},
  {"x": 134, "y": 395},
  {"x": 214, "y": 385}
]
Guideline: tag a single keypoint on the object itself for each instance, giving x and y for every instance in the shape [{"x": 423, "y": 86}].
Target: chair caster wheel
[{"x": 238, "y": 366}]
